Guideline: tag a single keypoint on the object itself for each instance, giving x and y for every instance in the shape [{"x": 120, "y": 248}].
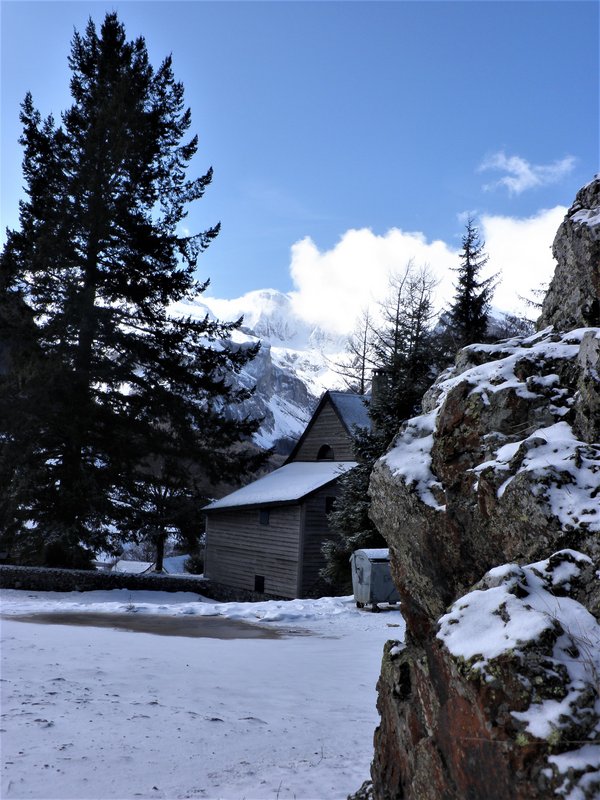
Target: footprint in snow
[{"x": 44, "y": 723}]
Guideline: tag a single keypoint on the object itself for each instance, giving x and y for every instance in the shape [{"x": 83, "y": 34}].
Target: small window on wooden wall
[
  {"x": 329, "y": 504},
  {"x": 263, "y": 516},
  {"x": 259, "y": 583},
  {"x": 325, "y": 453}
]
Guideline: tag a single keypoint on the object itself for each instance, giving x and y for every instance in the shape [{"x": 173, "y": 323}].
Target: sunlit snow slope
[{"x": 295, "y": 365}]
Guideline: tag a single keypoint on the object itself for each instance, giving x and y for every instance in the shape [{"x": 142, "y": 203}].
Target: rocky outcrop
[
  {"x": 500, "y": 466},
  {"x": 573, "y": 297},
  {"x": 501, "y": 704},
  {"x": 496, "y": 693},
  {"x": 281, "y": 397}
]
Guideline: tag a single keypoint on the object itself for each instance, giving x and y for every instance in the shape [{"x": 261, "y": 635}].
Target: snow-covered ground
[{"x": 90, "y": 712}]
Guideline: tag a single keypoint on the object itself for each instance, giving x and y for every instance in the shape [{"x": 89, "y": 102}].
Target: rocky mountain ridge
[
  {"x": 490, "y": 502},
  {"x": 295, "y": 364}
]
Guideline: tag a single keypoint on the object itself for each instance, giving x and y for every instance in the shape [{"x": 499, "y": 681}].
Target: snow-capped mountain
[{"x": 295, "y": 365}]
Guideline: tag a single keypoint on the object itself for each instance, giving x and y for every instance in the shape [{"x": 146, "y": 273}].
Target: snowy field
[{"x": 98, "y": 713}]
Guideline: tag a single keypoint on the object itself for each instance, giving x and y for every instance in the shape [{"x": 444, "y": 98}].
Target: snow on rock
[
  {"x": 506, "y": 455},
  {"x": 569, "y": 472},
  {"x": 587, "y": 216},
  {"x": 522, "y": 368},
  {"x": 502, "y": 467},
  {"x": 527, "y": 621},
  {"x": 410, "y": 458}
]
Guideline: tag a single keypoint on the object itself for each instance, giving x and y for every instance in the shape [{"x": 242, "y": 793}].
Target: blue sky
[{"x": 321, "y": 118}]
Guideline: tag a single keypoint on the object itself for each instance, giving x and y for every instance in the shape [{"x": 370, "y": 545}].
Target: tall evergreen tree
[
  {"x": 116, "y": 382},
  {"x": 467, "y": 319}
]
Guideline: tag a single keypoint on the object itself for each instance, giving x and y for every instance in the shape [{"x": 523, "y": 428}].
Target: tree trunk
[{"x": 160, "y": 551}]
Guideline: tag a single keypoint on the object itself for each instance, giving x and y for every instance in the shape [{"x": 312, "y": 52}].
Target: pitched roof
[
  {"x": 350, "y": 409},
  {"x": 288, "y": 484}
]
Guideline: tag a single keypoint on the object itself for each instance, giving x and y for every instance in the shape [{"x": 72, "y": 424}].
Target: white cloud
[
  {"x": 333, "y": 286},
  {"x": 522, "y": 175},
  {"x": 521, "y": 251}
]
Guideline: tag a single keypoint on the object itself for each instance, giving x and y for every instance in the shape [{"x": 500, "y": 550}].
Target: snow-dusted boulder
[
  {"x": 503, "y": 703},
  {"x": 497, "y": 694},
  {"x": 501, "y": 466}
]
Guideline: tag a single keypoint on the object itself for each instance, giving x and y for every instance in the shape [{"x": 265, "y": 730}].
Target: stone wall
[{"x": 72, "y": 580}]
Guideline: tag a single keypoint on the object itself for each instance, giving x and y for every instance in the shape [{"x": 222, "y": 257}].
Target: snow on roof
[
  {"x": 352, "y": 409},
  {"x": 286, "y": 484}
]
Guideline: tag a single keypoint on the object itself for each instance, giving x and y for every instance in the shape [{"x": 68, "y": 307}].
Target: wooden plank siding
[
  {"x": 316, "y": 531},
  {"x": 238, "y": 547},
  {"x": 287, "y": 551},
  {"x": 327, "y": 428}
]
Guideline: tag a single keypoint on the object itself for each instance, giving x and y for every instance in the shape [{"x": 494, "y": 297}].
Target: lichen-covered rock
[
  {"x": 573, "y": 299},
  {"x": 502, "y": 466},
  {"x": 503, "y": 702},
  {"x": 587, "y": 415},
  {"x": 505, "y": 465}
]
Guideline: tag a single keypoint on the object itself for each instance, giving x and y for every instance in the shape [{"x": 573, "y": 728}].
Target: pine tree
[
  {"x": 117, "y": 384},
  {"x": 467, "y": 319},
  {"x": 358, "y": 361},
  {"x": 405, "y": 350}
]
